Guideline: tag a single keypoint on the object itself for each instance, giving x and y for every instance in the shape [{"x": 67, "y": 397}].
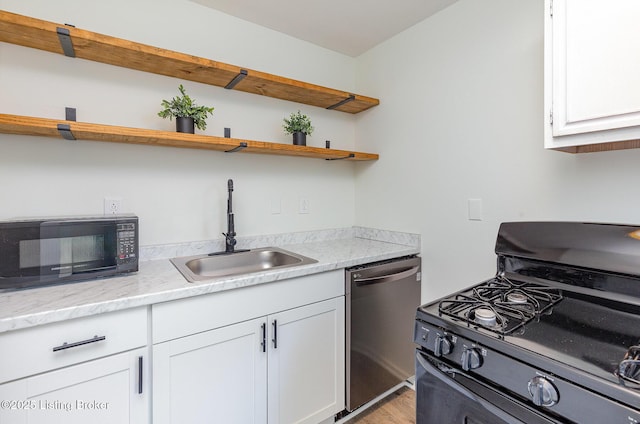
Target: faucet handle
[{"x": 229, "y": 239}]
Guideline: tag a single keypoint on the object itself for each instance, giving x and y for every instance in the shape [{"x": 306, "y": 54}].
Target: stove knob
[
  {"x": 543, "y": 392},
  {"x": 470, "y": 359},
  {"x": 442, "y": 345}
]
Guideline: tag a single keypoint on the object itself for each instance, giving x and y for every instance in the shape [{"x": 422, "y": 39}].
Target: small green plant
[
  {"x": 297, "y": 122},
  {"x": 183, "y": 106}
]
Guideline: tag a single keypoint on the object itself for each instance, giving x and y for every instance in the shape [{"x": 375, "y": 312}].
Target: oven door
[{"x": 446, "y": 395}]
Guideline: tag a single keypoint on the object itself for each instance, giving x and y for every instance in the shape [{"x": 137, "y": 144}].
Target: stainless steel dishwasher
[{"x": 381, "y": 302}]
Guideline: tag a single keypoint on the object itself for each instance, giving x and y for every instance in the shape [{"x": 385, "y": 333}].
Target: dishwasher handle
[{"x": 386, "y": 278}]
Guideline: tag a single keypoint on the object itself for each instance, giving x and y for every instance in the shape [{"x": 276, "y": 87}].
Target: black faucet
[{"x": 230, "y": 235}]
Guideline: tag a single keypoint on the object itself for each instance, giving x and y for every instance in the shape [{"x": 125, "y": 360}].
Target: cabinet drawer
[{"x": 47, "y": 347}]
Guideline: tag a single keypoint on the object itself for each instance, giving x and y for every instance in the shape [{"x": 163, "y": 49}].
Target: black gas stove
[{"x": 554, "y": 337}]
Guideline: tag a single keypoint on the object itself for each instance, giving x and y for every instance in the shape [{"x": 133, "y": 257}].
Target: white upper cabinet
[{"x": 592, "y": 74}]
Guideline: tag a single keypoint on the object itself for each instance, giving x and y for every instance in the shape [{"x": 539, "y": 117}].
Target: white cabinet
[
  {"x": 104, "y": 391},
  {"x": 93, "y": 369},
  {"x": 592, "y": 74},
  {"x": 216, "y": 376},
  {"x": 306, "y": 363},
  {"x": 284, "y": 366}
]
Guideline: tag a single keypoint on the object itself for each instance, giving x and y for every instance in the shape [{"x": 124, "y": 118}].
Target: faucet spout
[{"x": 230, "y": 236}]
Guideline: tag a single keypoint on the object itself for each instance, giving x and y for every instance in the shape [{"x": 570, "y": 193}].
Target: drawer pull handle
[{"x": 66, "y": 345}]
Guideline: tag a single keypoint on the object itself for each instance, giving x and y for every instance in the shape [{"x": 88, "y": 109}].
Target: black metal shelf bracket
[
  {"x": 65, "y": 132},
  {"x": 349, "y": 156},
  {"x": 70, "y": 113},
  {"x": 243, "y": 73},
  {"x": 347, "y": 100},
  {"x": 65, "y": 42},
  {"x": 237, "y": 149}
]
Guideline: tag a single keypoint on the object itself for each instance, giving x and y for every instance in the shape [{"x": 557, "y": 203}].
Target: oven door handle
[
  {"x": 432, "y": 370},
  {"x": 386, "y": 278}
]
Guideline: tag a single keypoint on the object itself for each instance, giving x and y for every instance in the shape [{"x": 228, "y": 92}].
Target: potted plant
[
  {"x": 300, "y": 126},
  {"x": 186, "y": 112}
]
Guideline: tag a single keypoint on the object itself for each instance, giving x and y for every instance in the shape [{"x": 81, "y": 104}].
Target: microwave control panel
[{"x": 127, "y": 246}]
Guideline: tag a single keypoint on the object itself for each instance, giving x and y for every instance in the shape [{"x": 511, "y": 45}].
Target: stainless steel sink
[{"x": 204, "y": 267}]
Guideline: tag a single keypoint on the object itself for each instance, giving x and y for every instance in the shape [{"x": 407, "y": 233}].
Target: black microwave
[{"x": 46, "y": 251}]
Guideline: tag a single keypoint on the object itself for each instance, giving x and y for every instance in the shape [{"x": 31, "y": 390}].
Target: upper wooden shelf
[
  {"x": 75, "y": 42},
  {"x": 26, "y": 125}
]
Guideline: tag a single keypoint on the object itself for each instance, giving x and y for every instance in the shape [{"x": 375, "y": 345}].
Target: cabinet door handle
[
  {"x": 275, "y": 334},
  {"x": 263, "y": 344},
  {"x": 66, "y": 345},
  {"x": 140, "y": 370}
]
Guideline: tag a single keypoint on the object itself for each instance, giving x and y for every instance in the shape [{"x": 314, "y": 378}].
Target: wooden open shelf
[
  {"x": 49, "y": 36},
  {"x": 27, "y": 125}
]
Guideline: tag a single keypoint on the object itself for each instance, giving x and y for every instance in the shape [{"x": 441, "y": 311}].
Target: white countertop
[{"x": 159, "y": 281}]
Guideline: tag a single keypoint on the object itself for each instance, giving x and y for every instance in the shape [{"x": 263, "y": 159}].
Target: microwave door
[
  {"x": 71, "y": 248},
  {"x": 50, "y": 255},
  {"x": 50, "y": 251},
  {"x": 53, "y": 255}
]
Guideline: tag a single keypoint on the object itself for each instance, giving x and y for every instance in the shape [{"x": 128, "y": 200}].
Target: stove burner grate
[
  {"x": 500, "y": 305},
  {"x": 628, "y": 371}
]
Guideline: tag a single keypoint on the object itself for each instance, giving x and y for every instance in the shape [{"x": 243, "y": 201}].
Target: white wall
[
  {"x": 179, "y": 194},
  {"x": 461, "y": 117}
]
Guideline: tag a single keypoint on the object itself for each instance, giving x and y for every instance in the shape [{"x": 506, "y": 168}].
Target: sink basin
[{"x": 204, "y": 267}]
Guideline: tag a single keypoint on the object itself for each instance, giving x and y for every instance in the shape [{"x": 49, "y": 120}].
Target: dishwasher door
[{"x": 381, "y": 303}]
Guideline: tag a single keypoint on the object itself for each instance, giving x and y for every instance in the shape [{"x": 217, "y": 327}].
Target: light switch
[
  {"x": 475, "y": 209},
  {"x": 276, "y": 206},
  {"x": 304, "y": 205}
]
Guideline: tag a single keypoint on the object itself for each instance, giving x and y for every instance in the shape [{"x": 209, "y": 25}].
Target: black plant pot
[
  {"x": 299, "y": 138},
  {"x": 185, "y": 125}
]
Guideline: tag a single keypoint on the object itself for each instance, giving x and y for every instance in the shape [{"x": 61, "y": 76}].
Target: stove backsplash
[
  {"x": 608, "y": 247},
  {"x": 602, "y": 257}
]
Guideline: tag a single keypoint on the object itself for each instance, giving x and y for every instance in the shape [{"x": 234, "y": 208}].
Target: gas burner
[
  {"x": 516, "y": 297},
  {"x": 485, "y": 316},
  {"x": 500, "y": 305},
  {"x": 501, "y": 289}
]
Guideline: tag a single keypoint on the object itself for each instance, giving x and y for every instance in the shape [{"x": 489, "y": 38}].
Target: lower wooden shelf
[{"x": 27, "y": 125}]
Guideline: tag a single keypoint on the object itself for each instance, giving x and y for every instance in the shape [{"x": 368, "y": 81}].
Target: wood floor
[{"x": 397, "y": 408}]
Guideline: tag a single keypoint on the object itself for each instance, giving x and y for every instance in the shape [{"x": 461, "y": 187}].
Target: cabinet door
[
  {"x": 306, "y": 363},
  {"x": 215, "y": 376},
  {"x": 104, "y": 391},
  {"x": 594, "y": 86}
]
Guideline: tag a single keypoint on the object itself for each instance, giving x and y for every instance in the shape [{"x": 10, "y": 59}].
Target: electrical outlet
[
  {"x": 304, "y": 205},
  {"x": 112, "y": 205}
]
